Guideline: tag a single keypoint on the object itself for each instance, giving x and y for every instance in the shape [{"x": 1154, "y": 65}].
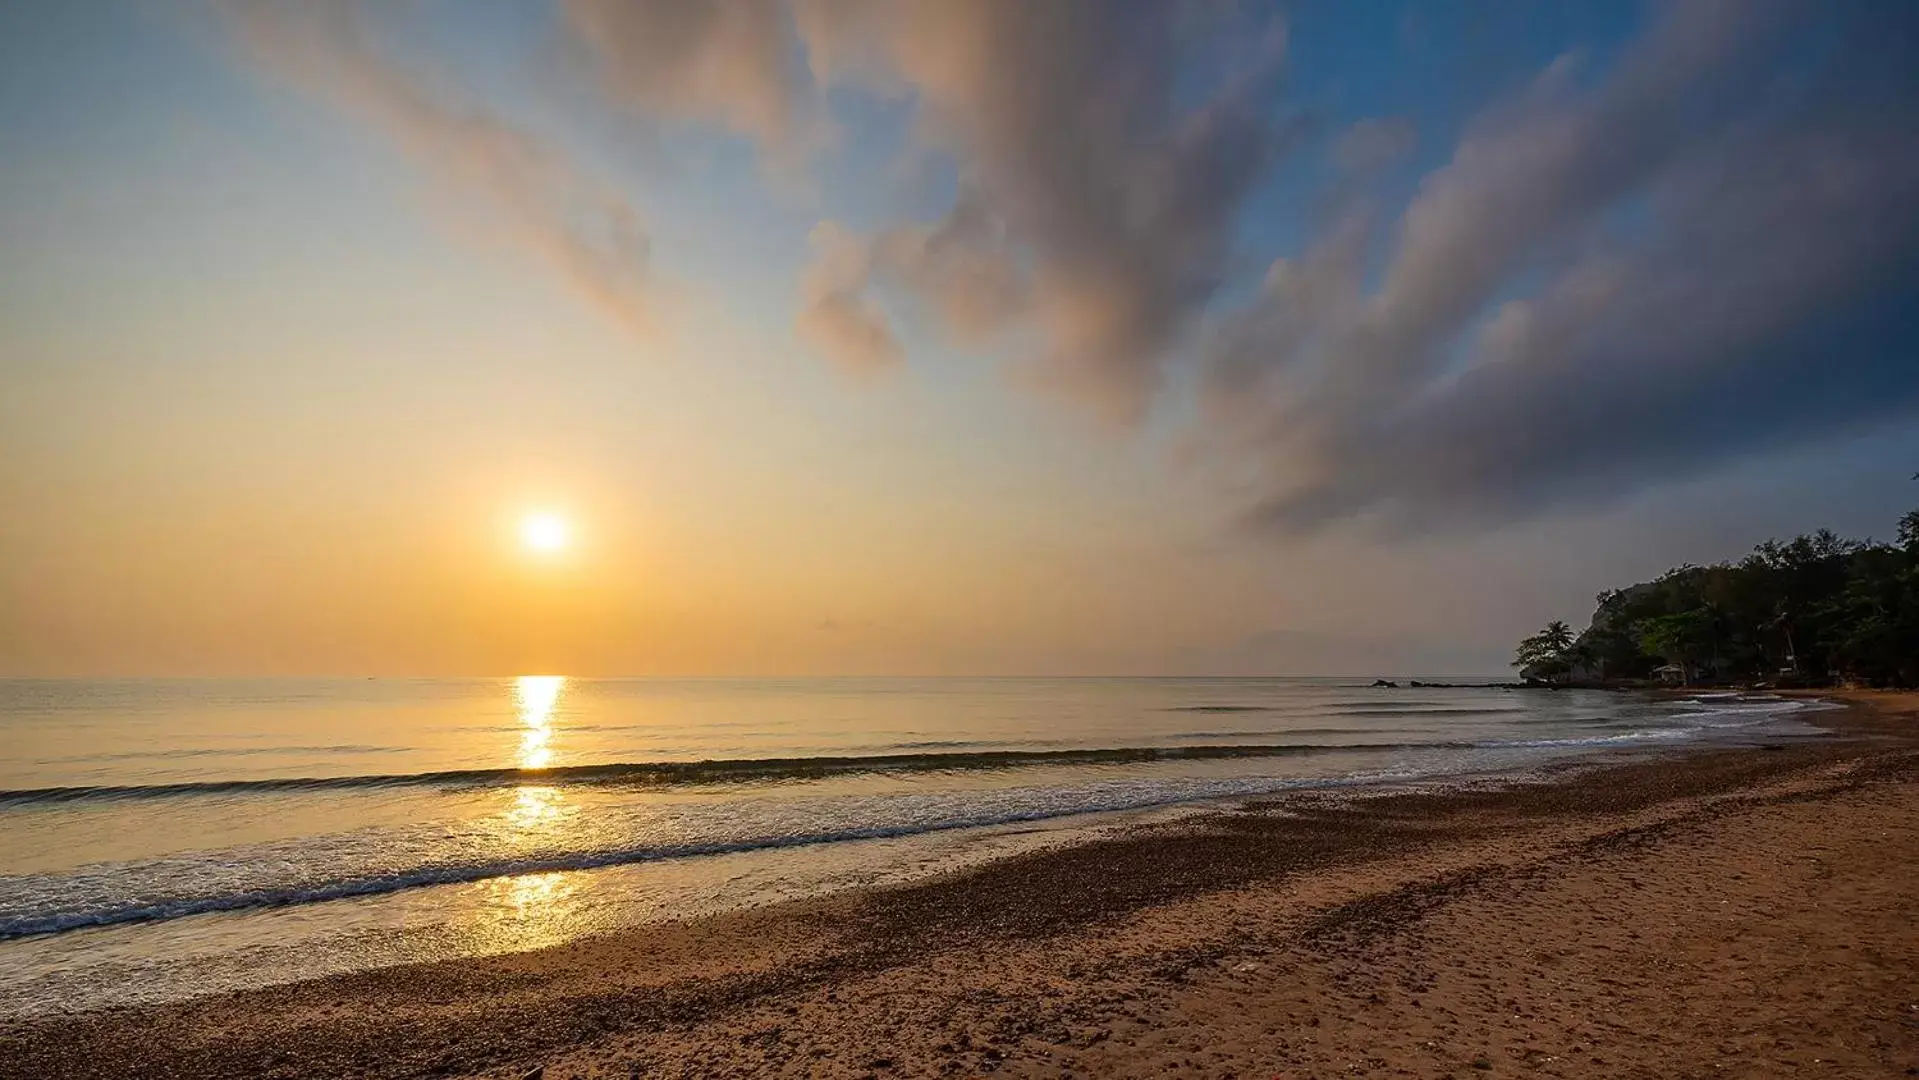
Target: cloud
[
  {"x": 584, "y": 231},
  {"x": 1099, "y": 193},
  {"x": 962, "y": 270},
  {"x": 736, "y": 64},
  {"x": 835, "y": 316},
  {"x": 1708, "y": 252},
  {"x": 1565, "y": 311},
  {"x": 1104, "y": 153}
]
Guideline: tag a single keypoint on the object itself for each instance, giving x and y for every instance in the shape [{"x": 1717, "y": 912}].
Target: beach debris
[{"x": 537, "y": 1072}]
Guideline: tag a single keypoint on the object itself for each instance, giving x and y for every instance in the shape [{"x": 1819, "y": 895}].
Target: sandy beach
[{"x": 1748, "y": 912}]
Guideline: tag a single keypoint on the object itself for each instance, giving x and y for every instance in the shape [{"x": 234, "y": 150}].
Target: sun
[{"x": 543, "y": 532}]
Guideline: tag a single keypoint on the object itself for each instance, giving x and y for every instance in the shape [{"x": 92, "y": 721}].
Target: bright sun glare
[{"x": 543, "y": 532}]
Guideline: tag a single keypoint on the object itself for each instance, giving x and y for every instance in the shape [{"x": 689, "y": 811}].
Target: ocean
[{"x": 166, "y": 838}]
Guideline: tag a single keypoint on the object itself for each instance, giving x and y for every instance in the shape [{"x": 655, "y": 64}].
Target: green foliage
[
  {"x": 1685, "y": 638},
  {"x": 1813, "y": 608},
  {"x": 1548, "y": 653},
  {"x": 1558, "y": 636},
  {"x": 1874, "y": 618}
]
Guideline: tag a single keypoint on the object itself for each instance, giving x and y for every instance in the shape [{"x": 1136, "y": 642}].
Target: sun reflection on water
[
  {"x": 535, "y": 807},
  {"x": 536, "y": 695},
  {"x": 535, "y": 894},
  {"x": 527, "y": 911}
]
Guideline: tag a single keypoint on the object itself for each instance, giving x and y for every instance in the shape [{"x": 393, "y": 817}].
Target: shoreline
[{"x": 1079, "y": 959}]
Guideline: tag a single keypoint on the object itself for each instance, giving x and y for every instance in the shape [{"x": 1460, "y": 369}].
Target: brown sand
[{"x": 1724, "y": 913}]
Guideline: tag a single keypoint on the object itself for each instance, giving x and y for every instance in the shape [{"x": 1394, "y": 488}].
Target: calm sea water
[{"x": 162, "y": 838}]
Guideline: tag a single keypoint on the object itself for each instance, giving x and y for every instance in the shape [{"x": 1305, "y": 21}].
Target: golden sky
[{"x": 998, "y": 339}]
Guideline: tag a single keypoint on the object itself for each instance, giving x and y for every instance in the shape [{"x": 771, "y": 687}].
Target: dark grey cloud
[
  {"x": 1099, "y": 193},
  {"x": 1709, "y": 251}
]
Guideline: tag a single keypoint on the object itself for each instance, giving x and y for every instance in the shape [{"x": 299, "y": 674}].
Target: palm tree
[
  {"x": 1547, "y": 651},
  {"x": 1557, "y": 636}
]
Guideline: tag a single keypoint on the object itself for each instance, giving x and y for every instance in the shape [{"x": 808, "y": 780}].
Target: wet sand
[{"x": 1720, "y": 913}]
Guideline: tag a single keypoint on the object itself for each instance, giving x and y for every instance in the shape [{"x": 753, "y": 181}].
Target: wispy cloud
[
  {"x": 579, "y": 227},
  {"x": 735, "y": 64},
  {"x": 835, "y": 315}
]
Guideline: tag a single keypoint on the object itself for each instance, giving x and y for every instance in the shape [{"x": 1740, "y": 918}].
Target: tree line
[{"x": 1812, "y": 610}]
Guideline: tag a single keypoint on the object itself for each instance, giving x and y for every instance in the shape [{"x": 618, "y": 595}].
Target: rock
[
  {"x": 537, "y": 1072},
  {"x": 1386, "y": 683}
]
